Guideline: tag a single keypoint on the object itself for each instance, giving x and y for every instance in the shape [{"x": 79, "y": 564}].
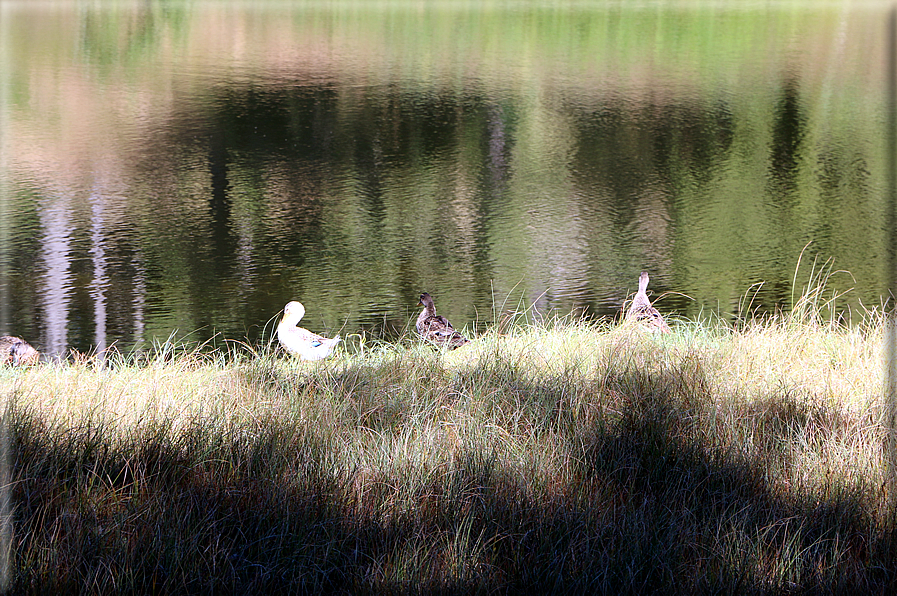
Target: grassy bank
[{"x": 564, "y": 458}]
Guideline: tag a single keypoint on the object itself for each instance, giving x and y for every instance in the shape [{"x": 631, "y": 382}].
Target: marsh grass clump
[{"x": 544, "y": 456}]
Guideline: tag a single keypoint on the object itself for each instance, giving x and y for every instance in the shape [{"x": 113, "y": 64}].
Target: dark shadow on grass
[
  {"x": 719, "y": 518},
  {"x": 664, "y": 497}
]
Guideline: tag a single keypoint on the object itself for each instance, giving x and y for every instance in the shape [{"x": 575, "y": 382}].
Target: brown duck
[
  {"x": 16, "y": 351},
  {"x": 641, "y": 310},
  {"x": 436, "y": 328}
]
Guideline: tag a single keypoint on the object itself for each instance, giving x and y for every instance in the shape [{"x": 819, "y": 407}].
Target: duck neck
[
  {"x": 643, "y": 283},
  {"x": 288, "y": 322},
  {"x": 428, "y": 311}
]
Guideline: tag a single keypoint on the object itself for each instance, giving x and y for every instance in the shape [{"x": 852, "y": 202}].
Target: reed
[{"x": 547, "y": 456}]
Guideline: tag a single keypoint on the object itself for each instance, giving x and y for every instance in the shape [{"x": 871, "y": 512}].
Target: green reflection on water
[{"x": 353, "y": 155}]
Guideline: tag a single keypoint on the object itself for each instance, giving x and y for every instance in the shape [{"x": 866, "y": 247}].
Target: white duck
[{"x": 302, "y": 342}]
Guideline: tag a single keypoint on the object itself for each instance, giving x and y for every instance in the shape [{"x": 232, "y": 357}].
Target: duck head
[
  {"x": 293, "y": 311},
  {"x": 425, "y": 300}
]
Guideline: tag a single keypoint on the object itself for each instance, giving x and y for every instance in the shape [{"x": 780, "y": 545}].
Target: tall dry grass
[{"x": 562, "y": 457}]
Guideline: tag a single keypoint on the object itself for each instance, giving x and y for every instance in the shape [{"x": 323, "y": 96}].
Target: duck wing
[
  {"x": 649, "y": 316},
  {"x": 432, "y": 324},
  {"x": 305, "y": 344},
  {"x": 438, "y": 330}
]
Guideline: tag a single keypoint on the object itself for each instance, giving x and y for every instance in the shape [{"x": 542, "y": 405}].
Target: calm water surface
[{"x": 189, "y": 167}]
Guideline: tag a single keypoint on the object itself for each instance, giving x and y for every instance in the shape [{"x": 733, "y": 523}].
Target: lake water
[{"x": 187, "y": 168}]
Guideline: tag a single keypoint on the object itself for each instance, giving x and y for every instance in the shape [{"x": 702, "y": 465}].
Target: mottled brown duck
[
  {"x": 436, "y": 328},
  {"x": 16, "y": 351},
  {"x": 642, "y": 311}
]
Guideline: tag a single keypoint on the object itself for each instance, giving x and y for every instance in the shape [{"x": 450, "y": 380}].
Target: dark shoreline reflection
[{"x": 355, "y": 197}]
